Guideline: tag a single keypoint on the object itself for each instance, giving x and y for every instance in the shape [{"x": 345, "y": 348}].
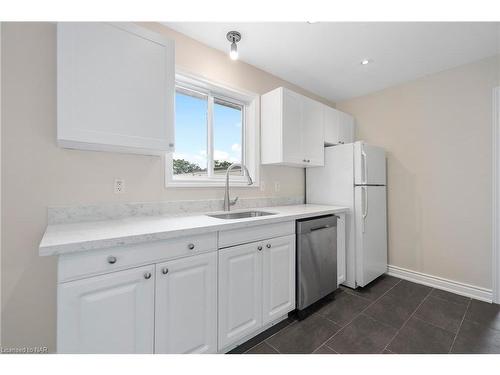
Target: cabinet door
[
  {"x": 240, "y": 292},
  {"x": 346, "y": 128},
  {"x": 293, "y": 104},
  {"x": 278, "y": 277},
  {"x": 331, "y": 126},
  {"x": 186, "y": 305},
  {"x": 115, "y": 88},
  {"x": 113, "y": 313},
  {"x": 312, "y": 133}
]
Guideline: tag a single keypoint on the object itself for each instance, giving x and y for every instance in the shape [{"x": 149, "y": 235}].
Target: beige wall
[
  {"x": 437, "y": 133},
  {"x": 36, "y": 173}
]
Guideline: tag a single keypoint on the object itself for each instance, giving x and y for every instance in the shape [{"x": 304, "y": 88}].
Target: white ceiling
[{"x": 325, "y": 57}]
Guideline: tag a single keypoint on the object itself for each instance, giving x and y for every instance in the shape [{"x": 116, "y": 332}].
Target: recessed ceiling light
[{"x": 366, "y": 62}]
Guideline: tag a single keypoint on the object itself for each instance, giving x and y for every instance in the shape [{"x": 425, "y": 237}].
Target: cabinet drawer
[
  {"x": 255, "y": 233},
  {"x": 75, "y": 266}
]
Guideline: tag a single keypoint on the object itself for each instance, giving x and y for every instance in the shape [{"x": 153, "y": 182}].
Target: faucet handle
[{"x": 233, "y": 202}]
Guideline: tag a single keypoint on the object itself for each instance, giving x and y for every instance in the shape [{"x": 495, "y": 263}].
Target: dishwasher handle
[
  {"x": 310, "y": 225},
  {"x": 320, "y": 228}
]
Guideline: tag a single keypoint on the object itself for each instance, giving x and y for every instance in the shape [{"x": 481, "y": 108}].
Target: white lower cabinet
[
  {"x": 205, "y": 302},
  {"x": 278, "y": 278},
  {"x": 240, "y": 292},
  {"x": 256, "y": 286},
  {"x": 186, "y": 305},
  {"x": 112, "y": 313}
]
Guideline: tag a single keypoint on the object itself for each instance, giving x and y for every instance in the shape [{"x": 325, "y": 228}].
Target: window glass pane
[
  {"x": 190, "y": 157},
  {"x": 228, "y": 130}
]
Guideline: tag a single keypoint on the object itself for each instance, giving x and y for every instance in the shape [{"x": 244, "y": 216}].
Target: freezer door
[
  {"x": 371, "y": 233},
  {"x": 369, "y": 164}
]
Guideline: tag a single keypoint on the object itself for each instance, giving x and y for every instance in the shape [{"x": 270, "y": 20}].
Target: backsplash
[{"x": 114, "y": 211}]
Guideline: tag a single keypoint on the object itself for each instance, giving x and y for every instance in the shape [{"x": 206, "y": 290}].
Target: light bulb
[{"x": 234, "y": 51}]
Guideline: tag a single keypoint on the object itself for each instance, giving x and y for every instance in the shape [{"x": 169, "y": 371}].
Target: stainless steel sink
[{"x": 241, "y": 215}]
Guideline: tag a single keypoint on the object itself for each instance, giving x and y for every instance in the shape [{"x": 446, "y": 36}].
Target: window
[{"x": 214, "y": 128}]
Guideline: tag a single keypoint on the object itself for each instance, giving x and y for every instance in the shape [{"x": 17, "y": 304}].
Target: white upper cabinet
[
  {"x": 115, "y": 88},
  {"x": 313, "y": 137},
  {"x": 339, "y": 127},
  {"x": 292, "y": 129}
]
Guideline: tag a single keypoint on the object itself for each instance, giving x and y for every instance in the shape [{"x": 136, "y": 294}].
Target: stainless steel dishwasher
[{"x": 316, "y": 259}]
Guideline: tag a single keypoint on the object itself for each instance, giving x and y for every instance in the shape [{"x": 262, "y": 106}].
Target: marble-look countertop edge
[{"x": 49, "y": 246}]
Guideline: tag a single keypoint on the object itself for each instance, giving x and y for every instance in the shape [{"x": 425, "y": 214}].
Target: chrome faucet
[{"x": 228, "y": 202}]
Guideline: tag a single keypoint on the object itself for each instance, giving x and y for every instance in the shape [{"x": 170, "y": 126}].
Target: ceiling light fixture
[
  {"x": 234, "y": 37},
  {"x": 365, "y": 62}
]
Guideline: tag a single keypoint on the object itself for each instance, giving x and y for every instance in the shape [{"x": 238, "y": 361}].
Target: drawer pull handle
[
  {"x": 259, "y": 247},
  {"x": 111, "y": 259},
  {"x": 147, "y": 275},
  {"x": 268, "y": 245},
  {"x": 191, "y": 246},
  {"x": 164, "y": 270}
]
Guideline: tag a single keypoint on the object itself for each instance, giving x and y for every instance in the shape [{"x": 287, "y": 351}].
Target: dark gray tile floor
[{"x": 388, "y": 316}]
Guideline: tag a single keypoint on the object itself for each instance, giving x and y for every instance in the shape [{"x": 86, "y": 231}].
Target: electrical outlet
[
  {"x": 277, "y": 187},
  {"x": 119, "y": 185}
]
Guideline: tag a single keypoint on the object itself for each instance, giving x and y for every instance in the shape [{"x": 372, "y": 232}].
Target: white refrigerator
[{"x": 354, "y": 176}]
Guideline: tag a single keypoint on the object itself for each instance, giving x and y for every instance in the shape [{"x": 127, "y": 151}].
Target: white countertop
[{"x": 75, "y": 237}]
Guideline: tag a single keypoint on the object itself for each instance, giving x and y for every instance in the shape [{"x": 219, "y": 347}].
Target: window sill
[{"x": 208, "y": 184}]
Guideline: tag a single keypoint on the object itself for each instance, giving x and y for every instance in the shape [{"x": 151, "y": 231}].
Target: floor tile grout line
[
  {"x": 432, "y": 324},
  {"x": 351, "y": 292},
  {"x": 268, "y": 343},
  {"x": 355, "y": 316},
  {"x": 407, "y": 320},
  {"x": 460, "y": 326},
  {"x": 274, "y": 334},
  {"x": 329, "y": 347},
  {"x": 265, "y": 340}
]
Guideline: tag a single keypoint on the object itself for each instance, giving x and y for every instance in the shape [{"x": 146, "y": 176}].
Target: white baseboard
[{"x": 441, "y": 283}]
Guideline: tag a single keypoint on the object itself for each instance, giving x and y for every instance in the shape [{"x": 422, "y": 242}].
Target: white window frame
[{"x": 250, "y": 134}]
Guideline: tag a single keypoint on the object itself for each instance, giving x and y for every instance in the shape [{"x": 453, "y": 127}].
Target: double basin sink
[{"x": 240, "y": 215}]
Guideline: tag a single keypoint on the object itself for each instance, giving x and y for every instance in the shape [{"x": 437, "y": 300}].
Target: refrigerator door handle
[
  {"x": 364, "y": 165},
  {"x": 365, "y": 207}
]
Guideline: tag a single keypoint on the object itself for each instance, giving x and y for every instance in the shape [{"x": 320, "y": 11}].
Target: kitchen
[{"x": 164, "y": 204}]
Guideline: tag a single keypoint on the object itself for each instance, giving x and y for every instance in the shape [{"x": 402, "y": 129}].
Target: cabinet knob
[
  {"x": 164, "y": 270},
  {"x": 304, "y": 160},
  {"x": 191, "y": 246},
  {"x": 147, "y": 275},
  {"x": 259, "y": 247},
  {"x": 111, "y": 259},
  {"x": 268, "y": 245}
]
